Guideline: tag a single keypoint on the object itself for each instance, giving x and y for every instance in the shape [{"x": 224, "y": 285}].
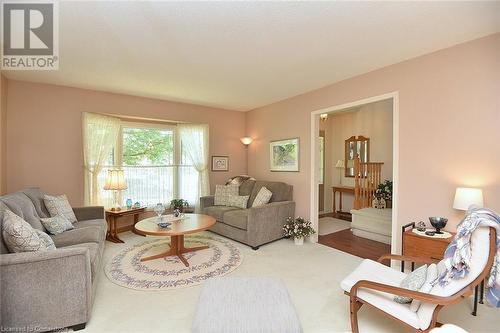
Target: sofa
[
  {"x": 253, "y": 226},
  {"x": 47, "y": 290}
]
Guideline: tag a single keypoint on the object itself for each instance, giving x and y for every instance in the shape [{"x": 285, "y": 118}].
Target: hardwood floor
[{"x": 345, "y": 241}]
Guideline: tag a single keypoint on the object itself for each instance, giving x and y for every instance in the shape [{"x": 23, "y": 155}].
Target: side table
[{"x": 111, "y": 217}]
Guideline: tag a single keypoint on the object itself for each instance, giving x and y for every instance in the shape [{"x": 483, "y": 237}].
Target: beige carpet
[
  {"x": 329, "y": 225},
  {"x": 126, "y": 269}
]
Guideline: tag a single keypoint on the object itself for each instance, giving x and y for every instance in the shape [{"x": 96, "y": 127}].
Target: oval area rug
[{"x": 126, "y": 269}]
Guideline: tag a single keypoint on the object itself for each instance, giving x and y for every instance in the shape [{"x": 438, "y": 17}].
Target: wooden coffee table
[{"x": 191, "y": 224}]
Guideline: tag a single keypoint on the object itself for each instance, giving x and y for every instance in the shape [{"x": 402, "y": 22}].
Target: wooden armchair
[{"x": 375, "y": 285}]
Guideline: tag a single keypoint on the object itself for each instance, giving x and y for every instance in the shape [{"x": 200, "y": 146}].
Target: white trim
[{"x": 395, "y": 159}]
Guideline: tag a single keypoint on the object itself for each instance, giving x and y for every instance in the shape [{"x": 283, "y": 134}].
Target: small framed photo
[
  {"x": 220, "y": 163},
  {"x": 284, "y": 155}
]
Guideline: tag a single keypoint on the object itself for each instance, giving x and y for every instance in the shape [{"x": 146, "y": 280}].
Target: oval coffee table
[{"x": 191, "y": 224}]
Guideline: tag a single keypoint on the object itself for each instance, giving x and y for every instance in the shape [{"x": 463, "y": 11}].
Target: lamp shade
[
  {"x": 465, "y": 197},
  {"x": 115, "y": 180},
  {"x": 246, "y": 140},
  {"x": 340, "y": 164}
]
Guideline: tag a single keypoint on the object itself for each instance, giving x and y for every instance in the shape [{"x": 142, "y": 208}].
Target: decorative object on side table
[
  {"x": 178, "y": 204},
  {"x": 284, "y": 155},
  {"x": 220, "y": 163},
  {"x": 115, "y": 181},
  {"x": 438, "y": 223},
  {"x": 136, "y": 205},
  {"x": 340, "y": 165},
  {"x": 129, "y": 203},
  {"x": 298, "y": 229},
  {"x": 159, "y": 210},
  {"x": 384, "y": 191}
]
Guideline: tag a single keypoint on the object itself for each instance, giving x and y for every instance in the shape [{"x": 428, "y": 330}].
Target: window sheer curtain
[
  {"x": 100, "y": 134},
  {"x": 194, "y": 139}
]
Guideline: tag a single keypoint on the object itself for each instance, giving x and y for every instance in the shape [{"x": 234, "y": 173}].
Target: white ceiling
[{"x": 243, "y": 55}]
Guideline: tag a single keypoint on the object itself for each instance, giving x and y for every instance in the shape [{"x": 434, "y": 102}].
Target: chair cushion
[
  {"x": 413, "y": 281},
  {"x": 78, "y": 235},
  {"x": 218, "y": 211},
  {"x": 237, "y": 218},
  {"x": 22, "y": 206},
  {"x": 374, "y": 271}
]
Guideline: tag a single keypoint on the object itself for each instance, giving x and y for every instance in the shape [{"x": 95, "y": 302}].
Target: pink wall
[
  {"x": 44, "y": 140},
  {"x": 449, "y": 127},
  {"x": 3, "y": 134}
]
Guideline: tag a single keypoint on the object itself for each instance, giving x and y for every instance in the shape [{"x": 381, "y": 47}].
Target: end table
[{"x": 112, "y": 215}]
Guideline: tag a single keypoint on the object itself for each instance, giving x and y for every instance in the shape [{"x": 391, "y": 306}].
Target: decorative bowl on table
[
  {"x": 438, "y": 223},
  {"x": 164, "y": 224}
]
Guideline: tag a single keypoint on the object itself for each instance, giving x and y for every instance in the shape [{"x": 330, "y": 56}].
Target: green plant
[
  {"x": 178, "y": 204},
  {"x": 297, "y": 228},
  {"x": 384, "y": 190}
]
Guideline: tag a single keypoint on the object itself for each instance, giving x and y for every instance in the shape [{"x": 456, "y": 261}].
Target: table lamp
[
  {"x": 466, "y": 196},
  {"x": 115, "y": 181},
  {"x": 340, "y": 166}
]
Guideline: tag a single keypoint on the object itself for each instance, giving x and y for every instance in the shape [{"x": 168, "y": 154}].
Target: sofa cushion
[
  {"x": 223, "y": 192},
  {"x": 237, "y": 218},
  {"x": 57, "y": 224},
  {"x": 262, "y": 198},
  {"x": 59, "y": 205},
  {"x": 78, "y": 235},
  {"x": 239, "y": 201},
  {"x": 36, "y": 196},
  {"x": 218, "y": 211},
  {"x": 94, "y": 255},
  {"x": 22, "y": 206},
  {"x": 281, "y": 191},
  {"x": 3, "y": 246},
  {"x": 246, "y": 187},
  {"x": 19, "y": 235},
  {"x": 47, "y": 242},
  {"x": 97, "y": 223}
]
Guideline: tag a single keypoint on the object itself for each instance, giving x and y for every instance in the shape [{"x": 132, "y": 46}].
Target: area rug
[
  {"x": 126, "y": 269},
  {"x": 329, "y": 225}
]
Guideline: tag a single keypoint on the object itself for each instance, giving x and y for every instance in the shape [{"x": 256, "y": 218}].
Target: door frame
[{"x": 395, "y": 158}]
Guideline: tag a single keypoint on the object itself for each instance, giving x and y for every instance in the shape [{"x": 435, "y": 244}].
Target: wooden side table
[
  {"x": 341, "y": 189},
  {"x": 415, "y": 245},
  {"x": 112, "y": 215}
]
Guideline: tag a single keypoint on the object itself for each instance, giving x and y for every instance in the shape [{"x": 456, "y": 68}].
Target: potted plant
[
  {"x": 384, "y": 191},
  {"x": 298, "y": 228},
  {"x": 178, "y": 204}
]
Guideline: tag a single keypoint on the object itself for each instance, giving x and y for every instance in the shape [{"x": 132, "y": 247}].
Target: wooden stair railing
[{"x": 367, "y": 176}]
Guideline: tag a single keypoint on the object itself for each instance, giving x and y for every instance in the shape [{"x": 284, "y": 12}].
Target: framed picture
[
  {"x": 284, "y": 155},
  {"x": 220, "y": 163}
]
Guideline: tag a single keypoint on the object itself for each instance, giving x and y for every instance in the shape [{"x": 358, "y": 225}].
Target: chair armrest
[
  {"x": 206, "y": 201},
  {"x": 265, "y": 223},
  {"x": 429, "y": 298},
  {"x": 89, "y": 213},
  {"x": 46, "y": 281},
  {"x": 417, "y": 260}
]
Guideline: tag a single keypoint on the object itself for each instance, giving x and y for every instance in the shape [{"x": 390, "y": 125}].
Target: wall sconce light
[
  {"x": 323, "y": 116},
  {"x": 246, "y": 140}
]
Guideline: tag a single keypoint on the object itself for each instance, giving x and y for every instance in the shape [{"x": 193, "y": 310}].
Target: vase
[{"x": 299, "y": 241}]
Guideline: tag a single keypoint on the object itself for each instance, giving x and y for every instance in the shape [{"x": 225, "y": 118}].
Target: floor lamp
[{"x": 340, "y": 166}]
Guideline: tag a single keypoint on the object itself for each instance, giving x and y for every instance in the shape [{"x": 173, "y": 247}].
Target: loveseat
[
  {"x": 253, "y": 226},
  {"x": 52, "y": 289}
]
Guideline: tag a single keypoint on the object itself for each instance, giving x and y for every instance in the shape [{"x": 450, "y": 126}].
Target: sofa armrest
[
  {"x": 265, "y": 223},
  {"x": 49, "y": 289},
  {"x": 89, "y": 213},
  {"x": 206, "y": 201}
]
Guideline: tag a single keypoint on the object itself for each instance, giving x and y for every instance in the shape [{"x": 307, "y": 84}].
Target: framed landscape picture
[
  {"x": 284, "y": 155},
  {"x": 220, "y": 163}
]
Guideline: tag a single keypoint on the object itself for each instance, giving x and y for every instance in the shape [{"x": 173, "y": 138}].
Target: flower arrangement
[
  {"x": 384, "y": 190},
  {"x": 179, "y": 204},
  {"x": 297, "y": 228}
]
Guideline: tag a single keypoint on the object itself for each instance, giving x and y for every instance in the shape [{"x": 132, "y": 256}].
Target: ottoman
[{"x": 242, "y": 305}]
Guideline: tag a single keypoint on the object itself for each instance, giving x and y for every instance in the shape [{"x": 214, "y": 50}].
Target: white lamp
[
  {"x": 115, "y": 181},
  {"x": 466, "y": 196},
  {"x": 340, "y": 166},
  {"x": 246, "y": 140}
]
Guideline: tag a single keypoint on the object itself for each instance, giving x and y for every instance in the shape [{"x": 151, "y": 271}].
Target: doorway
[{"x": 365, "y": 131}]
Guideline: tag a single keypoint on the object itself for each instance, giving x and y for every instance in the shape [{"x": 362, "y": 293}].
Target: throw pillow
[
  {"x": 239, "y": 201},
  {"x": 59, "y": 205},
  {"x": 57, "y": 224},
  {"x": 432, "y": 274},
  {"x": 238, "y": 180},
  {"x": 412, "y": 281},
  {"x": 223, "y": 192},
  {"x": 262, "y": 197},
  {"x": 19, "y": 235},
  {"x": 47, "y": 242}
]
